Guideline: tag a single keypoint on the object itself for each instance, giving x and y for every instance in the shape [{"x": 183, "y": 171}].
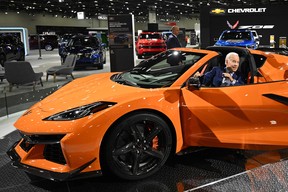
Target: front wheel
[{"x": 137, "y": 147}]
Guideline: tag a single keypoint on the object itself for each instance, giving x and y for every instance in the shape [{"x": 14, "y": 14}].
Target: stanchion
[{"x": 39, "y": 47}]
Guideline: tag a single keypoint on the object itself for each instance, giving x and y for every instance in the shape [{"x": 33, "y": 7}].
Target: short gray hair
[{"x": 230, "y": 54}]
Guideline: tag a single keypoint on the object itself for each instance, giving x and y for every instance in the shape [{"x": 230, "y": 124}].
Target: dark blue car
[
  {"x": 237, "y": 37},
  {"x": 11, "y": 48},
  {"x": 89, "y": 50}
]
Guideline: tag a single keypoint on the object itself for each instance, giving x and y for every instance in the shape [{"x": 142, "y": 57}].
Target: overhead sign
[
  {"x": 247, "y": 10},
  {"x": 222, "y": 11},
  {"x": 256, "y": 27},
  {"x": 265, "y": 20}
]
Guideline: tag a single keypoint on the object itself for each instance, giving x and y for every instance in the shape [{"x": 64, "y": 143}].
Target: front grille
[
  {"x": 25, "y": 145},
  {"x": 41, "y": 139},
  {"x": 52, "y": 150},
  {"x": 54, "y": 153}
]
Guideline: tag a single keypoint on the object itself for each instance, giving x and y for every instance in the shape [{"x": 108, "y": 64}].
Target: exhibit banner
[
  {"x": 120, "y": 31},
  {"x": 121, "y": 42},
  {"x": 266, "y": 20}
]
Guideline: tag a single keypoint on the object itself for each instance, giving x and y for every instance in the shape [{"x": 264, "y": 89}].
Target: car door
[{"x": 249, "y": 114}]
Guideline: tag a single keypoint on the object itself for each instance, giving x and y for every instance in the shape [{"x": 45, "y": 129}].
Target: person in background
[
  {"x": 228, "y": 76},
  {"x": 172, "y": 40}
]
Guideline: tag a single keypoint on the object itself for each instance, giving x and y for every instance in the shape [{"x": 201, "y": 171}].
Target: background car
[
  {"x": 128, "y": 124},
  {"x": 47, "y": 42},
  {"x": 149, "y": 43},
  {"x": 238, "y": 37},
  {"x": 89, "y": 49},
  {"x": 64, "y": 39},
  {"x": 11, "y": 48}
]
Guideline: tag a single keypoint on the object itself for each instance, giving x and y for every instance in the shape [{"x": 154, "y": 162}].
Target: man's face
[
  {"x": 176, "y": 31},
  {"x": 232, "y": 63}
]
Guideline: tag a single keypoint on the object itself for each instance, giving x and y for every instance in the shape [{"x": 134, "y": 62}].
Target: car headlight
[
  {"x": 94, "y": 54},
  {"x": 79, "y": 112}
]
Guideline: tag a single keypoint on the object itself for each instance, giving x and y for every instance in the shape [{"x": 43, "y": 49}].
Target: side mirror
[{"x": 193, "y": 82}]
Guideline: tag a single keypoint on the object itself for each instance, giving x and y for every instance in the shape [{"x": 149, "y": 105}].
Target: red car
[{"x": 149, "y": 43}]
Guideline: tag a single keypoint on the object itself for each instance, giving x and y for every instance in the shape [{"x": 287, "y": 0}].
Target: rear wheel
[{"x": 137, "y": 147}]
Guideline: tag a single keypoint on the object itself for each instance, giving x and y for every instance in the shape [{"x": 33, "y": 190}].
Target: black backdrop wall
[{"x": 266, "y": 20}]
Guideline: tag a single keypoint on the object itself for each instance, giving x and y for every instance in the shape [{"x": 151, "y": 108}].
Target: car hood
[
  {"x": 83, "y": 49},
  {"x": 88, "y": 90},
  {"x": 236, "y": 42}
]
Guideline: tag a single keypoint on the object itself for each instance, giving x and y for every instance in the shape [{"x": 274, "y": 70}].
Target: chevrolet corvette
[{"x": 128, "y": 124}]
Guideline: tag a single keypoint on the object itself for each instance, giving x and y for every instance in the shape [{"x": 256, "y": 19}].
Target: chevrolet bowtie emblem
[{"x": 218, "y": 11}]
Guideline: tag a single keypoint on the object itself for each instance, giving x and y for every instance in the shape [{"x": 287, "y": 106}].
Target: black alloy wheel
[
  {"x": 2, "y": 59},
  {"x": 137, "y": 147}
]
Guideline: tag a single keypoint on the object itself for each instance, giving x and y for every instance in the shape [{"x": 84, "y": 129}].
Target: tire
[
  {"x": 139, "y": 56},
  {"x": 48, "y": 47},
  {"x": 2, "y": 59},
  {"x": 137, "y": 147}
]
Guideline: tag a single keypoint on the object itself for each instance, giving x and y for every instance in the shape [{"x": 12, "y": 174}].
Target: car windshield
[
  {"x": 161, "y": 70},
  {"x": 84, "y": 42},
  {"x": 150, "y": 36},
  {"x": 236, "y": 35}
]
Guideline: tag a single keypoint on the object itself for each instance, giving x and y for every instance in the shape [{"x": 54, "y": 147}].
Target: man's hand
[
  {"x": 228, "y": 76},
  {"x": 197, "y": 74}
]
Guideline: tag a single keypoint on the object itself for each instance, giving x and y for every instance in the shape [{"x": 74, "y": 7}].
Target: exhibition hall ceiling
[{"x": 94, "y": 8}]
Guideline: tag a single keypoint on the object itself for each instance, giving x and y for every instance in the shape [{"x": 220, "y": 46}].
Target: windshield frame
[{"x": 161, "y": 70}]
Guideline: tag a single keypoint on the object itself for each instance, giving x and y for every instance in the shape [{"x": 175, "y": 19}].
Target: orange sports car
[{"x": 128, "y": 123}]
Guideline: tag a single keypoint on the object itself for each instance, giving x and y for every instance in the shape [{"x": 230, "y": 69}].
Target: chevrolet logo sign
[{"x": 217, "y": 11}]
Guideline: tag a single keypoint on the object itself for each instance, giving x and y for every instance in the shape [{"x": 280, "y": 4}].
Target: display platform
[{"x": 203, "y": 170}]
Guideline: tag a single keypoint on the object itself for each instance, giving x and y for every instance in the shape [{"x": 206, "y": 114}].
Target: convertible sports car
[{"x": 128, "y": 123}]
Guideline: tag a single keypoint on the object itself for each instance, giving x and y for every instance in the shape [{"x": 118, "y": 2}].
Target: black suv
[
  {"x": 11, "y": 48},
  {"x": 47, "y": 42}
]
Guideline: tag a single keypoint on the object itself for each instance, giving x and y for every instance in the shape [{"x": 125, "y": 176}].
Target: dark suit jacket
[
  {"x": 214, "y": 77},
  {"x": 172, "y": 42}
]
